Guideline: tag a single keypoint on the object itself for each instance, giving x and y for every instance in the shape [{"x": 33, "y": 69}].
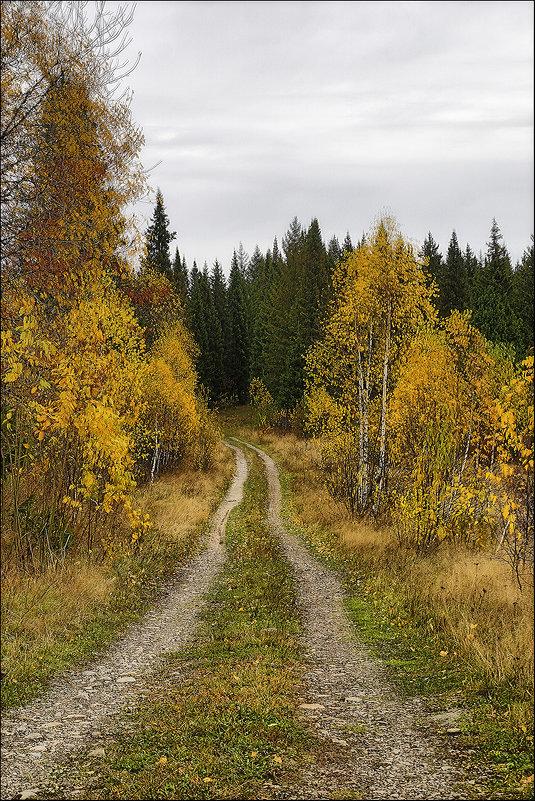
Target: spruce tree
[
  {"x": 347, "y": 245},
  {"x": 493, "y": 307},
  {"x": 197, "y": 324},
  {"x": 471, "y": 269},
  {"x": 297, "y": 298},
  {"x": 430, "y": 251},
  {"x": 238, "y": 346},
  {"x": 180, "y": 277},
  {"x": 255, "y": 292},
  {"x": 157, "y": 239},
  {"x": 316, "y": 284},
  {"x": 206, "y": 330},
  {"x": 523, "y": 299},
  {"x": 453, "y": 285},
  {"x": 260, "y": 337},
  {"x": 218, "y": 289},
  {"x": 286, "y": 320},
  {"x": 334, "y": 251}
]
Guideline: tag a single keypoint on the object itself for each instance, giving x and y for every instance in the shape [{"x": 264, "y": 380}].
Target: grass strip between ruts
[
  {"x": 220, "y": 718},
  {"x": 496, "y": 738}
]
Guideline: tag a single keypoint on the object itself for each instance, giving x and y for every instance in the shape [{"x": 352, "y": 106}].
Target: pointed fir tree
[
  {"x": 453, "y": 284},
  {"x": 218, "y": 286},
  {"x": 294, "y": 298},
  {"x": 471, "y": 269},
  {"x": 197, "y": 324},
  {"x": 255, "y": 285},
  {"x": 285, "y": 320},
  {"x": 263, "y": 313},
  {"x": 431, "y": 253},
  {"x": 242, "y": 259},
  {"x": 347, "y": 245},
  {"x": 157, "y": 240},
  {"x": 334, "y": 251},
  {"x": 238, "y": 346},
  {"x": 523, "y": 299},
  {"x": 206, "y": 330},
  {"x": 493, "y": 307},
  {"x": 316, "y": 284},
  {"x": 180, "y": 277}
]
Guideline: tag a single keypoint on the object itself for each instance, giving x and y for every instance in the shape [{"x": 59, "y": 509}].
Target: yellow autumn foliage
[
  {"x": 380, "y": 300},
  {"x": 80, "y": 392}
]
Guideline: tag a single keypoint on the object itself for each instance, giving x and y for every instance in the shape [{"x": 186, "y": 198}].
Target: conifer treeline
[{"x": 260, "y": 322}]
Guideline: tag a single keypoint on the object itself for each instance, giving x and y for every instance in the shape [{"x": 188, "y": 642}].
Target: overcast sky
[{"x": 257, "y": 112}]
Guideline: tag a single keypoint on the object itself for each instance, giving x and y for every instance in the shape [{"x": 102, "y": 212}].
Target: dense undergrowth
[{"x": 452, "y": 624}]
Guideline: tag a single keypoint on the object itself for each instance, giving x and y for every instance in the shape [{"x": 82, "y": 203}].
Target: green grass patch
[
  {"x": 220, "y": 717},
  {"x": 497, "y": 719}
]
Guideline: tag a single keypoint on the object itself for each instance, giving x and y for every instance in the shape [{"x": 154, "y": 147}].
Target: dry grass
[
  {"x": 56, "y": 618},
  {"x": 474, "y": 597},
  {"x": 471, "y": 596},
  {"x": 37, "y": 607},
  {"x": 180, "y": 501}
]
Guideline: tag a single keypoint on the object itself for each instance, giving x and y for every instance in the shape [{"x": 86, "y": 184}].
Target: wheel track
[
  {"x": 67, "y": 718},
  {"x": 374, "y": 744}
]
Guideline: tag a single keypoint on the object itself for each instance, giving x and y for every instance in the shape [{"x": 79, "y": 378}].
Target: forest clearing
[{"x": 266, "y": 534}]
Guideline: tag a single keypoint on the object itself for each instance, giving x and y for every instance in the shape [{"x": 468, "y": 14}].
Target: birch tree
[{"x": 380, "y": 299}]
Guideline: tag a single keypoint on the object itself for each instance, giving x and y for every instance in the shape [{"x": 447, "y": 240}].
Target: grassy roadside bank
[
  {"x": 230, "y": 723},
  {"x": 58, "y": 620},
  {"x": 451, "y": 627}
]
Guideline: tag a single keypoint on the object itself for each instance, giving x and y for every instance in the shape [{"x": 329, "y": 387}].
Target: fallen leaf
[{"x": 278, "y": 760}]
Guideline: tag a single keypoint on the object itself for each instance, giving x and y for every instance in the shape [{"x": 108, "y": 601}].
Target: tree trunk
[
  {"x": 364, "y": 391},
  {"x": 382, "y": 442}
]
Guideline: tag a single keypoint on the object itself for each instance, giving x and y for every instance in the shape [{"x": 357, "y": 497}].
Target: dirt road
[
  {"x": 73, "y": 714},
  {"x": 373, "y": 746}
]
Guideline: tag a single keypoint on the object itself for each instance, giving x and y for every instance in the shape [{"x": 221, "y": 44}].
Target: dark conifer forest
[{"x": 260, "y": 321}]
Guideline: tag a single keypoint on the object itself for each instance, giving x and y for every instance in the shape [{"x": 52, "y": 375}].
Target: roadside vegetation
[
  {"x": 100, "y": 394},
  {"x": 394, "y": 389},
  {"x": 452, "y": 622},
  {"x": 230, "y": 723},
  {"x": 55, "y": 619}
]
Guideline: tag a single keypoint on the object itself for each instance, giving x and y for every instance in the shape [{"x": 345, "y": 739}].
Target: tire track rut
[
  {"x": 374, "y": 745},
  {"x": 68, "y": 717}
]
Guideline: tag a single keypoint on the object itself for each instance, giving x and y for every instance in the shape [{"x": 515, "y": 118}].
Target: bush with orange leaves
[{"x": 80, "y": 394}]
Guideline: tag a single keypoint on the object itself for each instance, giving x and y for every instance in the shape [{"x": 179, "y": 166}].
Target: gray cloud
[{"x": 259, "y": 111}]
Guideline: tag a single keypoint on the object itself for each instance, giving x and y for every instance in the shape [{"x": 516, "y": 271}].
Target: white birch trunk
[
  {"x": 382, "y": 440},
  {"x": 156, "y": 451}
]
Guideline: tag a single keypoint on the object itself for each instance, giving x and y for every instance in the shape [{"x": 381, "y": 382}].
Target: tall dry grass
[
  {"x": 471, "y": 596},
  {"x": 180, "y": 501}
]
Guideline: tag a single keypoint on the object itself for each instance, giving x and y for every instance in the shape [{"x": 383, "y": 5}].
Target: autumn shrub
[
  {"x": 176, "y": 423},
  {"x": 263, "y": 404},
  {"x": 71, "y": 394},
  {"x": 511, "y": 482},
  {"x": 463, "y": 424},
  {"x": 84, "y": 403}
]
